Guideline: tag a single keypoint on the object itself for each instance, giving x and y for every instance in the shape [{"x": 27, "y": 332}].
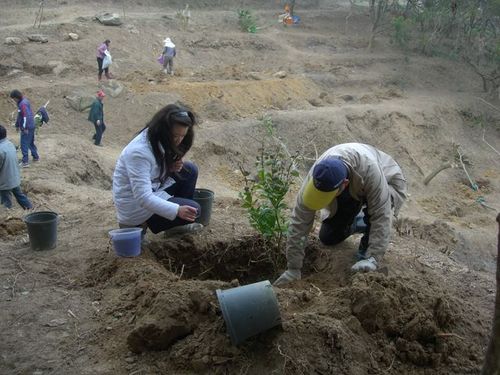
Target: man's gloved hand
[
  {"x": 365, "y": 265},
  {"x": 288, "y": 276}
]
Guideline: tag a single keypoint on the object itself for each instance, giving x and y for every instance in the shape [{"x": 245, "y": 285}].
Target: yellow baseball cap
[{"x": 324, "y": 184}]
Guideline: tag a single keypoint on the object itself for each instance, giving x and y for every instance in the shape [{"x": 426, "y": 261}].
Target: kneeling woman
[{"x": 152, "y": 186}]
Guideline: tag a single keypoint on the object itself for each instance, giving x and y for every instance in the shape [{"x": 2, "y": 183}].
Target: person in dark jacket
[
  {"x": 25, "y": 124},
  {"x": 96, "y": 116},
  {"x": 10, "y": 179}
]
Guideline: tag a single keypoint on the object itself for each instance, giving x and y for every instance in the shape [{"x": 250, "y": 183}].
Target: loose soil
[{"x": 80, "y": 309}]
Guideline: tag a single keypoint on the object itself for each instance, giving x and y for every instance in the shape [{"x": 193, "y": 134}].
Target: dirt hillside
[{"x": 80, "y": 309}]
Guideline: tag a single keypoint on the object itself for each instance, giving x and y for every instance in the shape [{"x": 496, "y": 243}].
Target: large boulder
[
  {"x": 58, "y": 67},
  {"x": 79, "y": 100},
  {"x": 38, "y": 38},
  {"x": 12, "y": 40},
  {"x": 112, "y": 88},
  {"x": 109, "y": 19}
]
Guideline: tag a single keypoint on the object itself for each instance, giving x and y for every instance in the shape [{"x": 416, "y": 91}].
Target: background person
[
  {"x": 25, "y": 124},
  {"x": 101, "y": 53},
  {"x": 343, "y": 180},
  {"x": 96, "y": 116},
  {"x": 169, "y": 53},
  {"x": 10, "y": 179},
  {"x": 152, "y": 186}
]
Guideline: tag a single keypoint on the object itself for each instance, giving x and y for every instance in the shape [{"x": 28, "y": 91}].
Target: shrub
[
  {"x": 264, "y": 194},
  {"x": 247, "y": 21}
]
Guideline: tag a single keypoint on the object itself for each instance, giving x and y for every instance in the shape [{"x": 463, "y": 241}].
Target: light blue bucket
[
  {"x": 126, "y": 241},
  {"x": 249, "y": 310}
]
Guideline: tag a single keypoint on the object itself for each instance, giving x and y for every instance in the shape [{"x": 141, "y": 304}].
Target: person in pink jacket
[{"x": 101, "y": 53}]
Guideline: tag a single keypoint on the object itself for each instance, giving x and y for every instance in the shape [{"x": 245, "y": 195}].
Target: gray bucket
[
  {"x": 204, "y": 198},
  {"x": 42, "y": 229},
  {"x": 249, "y": 310}
]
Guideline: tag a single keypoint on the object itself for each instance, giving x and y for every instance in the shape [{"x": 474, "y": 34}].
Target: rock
[
  {"x": 253, "y": 75},
  {"x": 112, "y": 88},
  {"x": 347, "y": 98},
  {"x": 58, "y": 67},
  {"x": 109, "y": 19},
  {"x": 56, "y": 322},
  {"x": 12, "y": 40},
  {"x": 131, "y": 29},
  {"x": 38, "y": 38},
  {"x": 73, "y": 36},
  {"x": 80, "y": 101},
  {"x": 14, "y": 72},
  {"x": 315, "y": 102},
  {"x": 281, "y": 74}
]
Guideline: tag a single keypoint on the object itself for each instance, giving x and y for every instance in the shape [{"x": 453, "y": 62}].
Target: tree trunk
[{"x": 492, "y": 361}]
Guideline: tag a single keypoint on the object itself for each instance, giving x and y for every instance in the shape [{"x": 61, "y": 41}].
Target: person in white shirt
[{"x": 153, "y": 186}]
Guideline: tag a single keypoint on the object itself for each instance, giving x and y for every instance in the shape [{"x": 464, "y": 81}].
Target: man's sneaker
[
  {"x": 24, "y": 165},
  {"x": 100, "y": 145},
  {"x": 36, "y": 160},
  {"x": 184, "y": 229}
]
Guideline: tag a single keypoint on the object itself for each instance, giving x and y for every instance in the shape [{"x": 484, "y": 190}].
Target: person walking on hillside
[
  {"x": 153, "y": 186},
  {"x": 101, "y": 54},
  {"x": 346, "y": 179},
  {"x": 10, "y": 179},
  {"x": 169, "y": 53},
  {"x": 96, "y": 116},
  {"x": 25, "y": 124}
]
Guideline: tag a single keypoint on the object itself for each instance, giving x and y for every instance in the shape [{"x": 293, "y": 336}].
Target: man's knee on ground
[{"x": 329, "y": 237}]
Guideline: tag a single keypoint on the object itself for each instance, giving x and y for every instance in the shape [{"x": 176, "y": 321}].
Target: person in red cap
[
  {"x": 96, "y": 116},
  {"x": 356, "y": 186}
]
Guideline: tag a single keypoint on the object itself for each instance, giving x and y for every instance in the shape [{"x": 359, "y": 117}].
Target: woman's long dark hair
[{"x": 160, "y": 133}]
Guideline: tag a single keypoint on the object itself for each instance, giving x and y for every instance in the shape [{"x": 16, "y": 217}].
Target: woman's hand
[
  {"x": 177, "y": 166},
  {"x": 187, "y": 213}
]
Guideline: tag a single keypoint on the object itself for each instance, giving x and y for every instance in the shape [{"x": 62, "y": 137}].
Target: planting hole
[{"x": 244, "y": 259}]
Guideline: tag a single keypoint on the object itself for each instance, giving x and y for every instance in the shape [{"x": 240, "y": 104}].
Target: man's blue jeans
[
  {"x": 182, "y": 193},
  {"x": 21, "y": 198},
  {"x": 28, "y": 144}
]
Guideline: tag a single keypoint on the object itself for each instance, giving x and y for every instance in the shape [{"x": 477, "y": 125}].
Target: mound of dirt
[
  {"x": 375, "y": 322},
  {"x": 12, "y": 226}
]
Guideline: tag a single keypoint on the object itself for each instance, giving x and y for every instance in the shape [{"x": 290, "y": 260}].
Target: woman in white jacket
[{"x": 152, "y": 186}]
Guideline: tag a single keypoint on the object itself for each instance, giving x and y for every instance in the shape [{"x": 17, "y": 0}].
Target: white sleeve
[{"x": 138, "y": 169}]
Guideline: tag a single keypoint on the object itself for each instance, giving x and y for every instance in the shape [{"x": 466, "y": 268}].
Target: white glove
[
  {"x": 365, "y": 265},
  {"x": 288, "y": 276}
]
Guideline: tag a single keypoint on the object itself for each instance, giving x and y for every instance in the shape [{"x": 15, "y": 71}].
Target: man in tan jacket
[{"x": 344, "y": 180}]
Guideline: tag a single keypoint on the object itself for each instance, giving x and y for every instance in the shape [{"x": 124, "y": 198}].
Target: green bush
[
  {"x": 247, "y": 21},
  {"x": 402, "y": 31},
  {"x": 264, "y": 195}
]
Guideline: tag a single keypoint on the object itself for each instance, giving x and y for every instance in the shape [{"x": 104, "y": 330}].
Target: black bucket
[
  {"x": 42, "y": 229},
  {"x": 205, "y": 198}
]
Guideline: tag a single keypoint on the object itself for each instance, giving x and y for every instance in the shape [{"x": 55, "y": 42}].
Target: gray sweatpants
[{"x": 168, "y": 63}]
